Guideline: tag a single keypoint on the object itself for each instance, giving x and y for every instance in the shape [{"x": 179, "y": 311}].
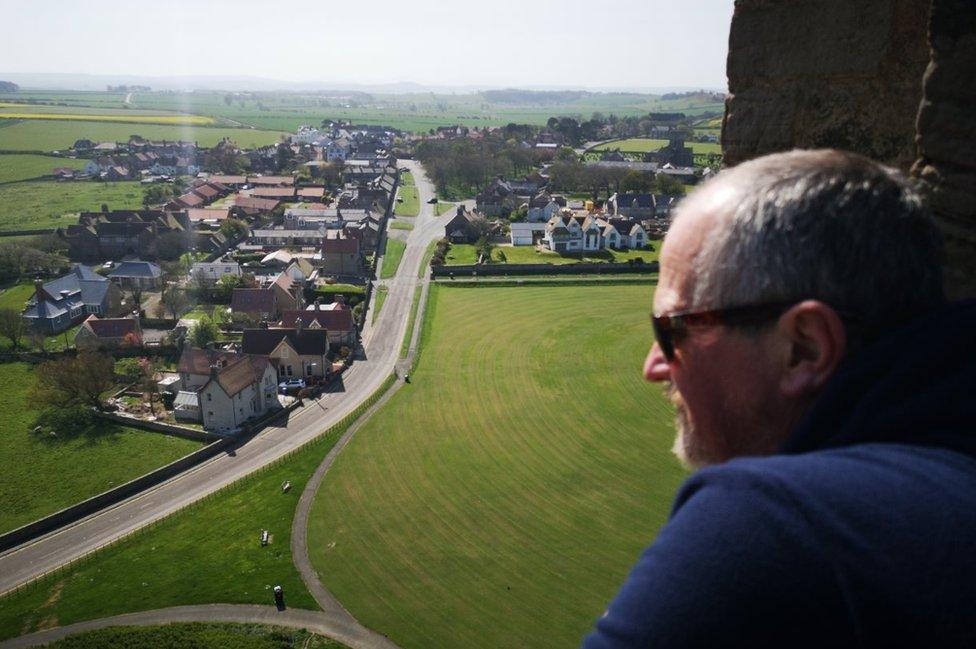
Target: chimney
[
  {"x": 39, "y": 290},
  {"x": 214, "y": 367},
  {"x": 340, "y": 298},
  {"x": 318, "y": 304}
]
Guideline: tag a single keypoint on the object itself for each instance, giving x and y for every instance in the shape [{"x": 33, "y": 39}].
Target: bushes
[
  {"x": 440, "y": 252},
  {"x": 352, "y": 293}
]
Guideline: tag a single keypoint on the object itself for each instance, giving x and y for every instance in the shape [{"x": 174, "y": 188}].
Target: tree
[
  {"x": 174, "y": 300},
  {"x": 78, "y": 381},
  {"x": 157, "y": 195},
  {"x": 147, "y": 381},
  {"x": 636, "y": 181},
  {"x": 204, "y": 332},
  {"x": 484, "y": 247},
  {"x": 128, "y": 369},
  {"x": 135, "y": 295},
  {"x": 233, "y": 228},
  {"x": 665, "y": 184},
  {"x": 12, "y": 326}
]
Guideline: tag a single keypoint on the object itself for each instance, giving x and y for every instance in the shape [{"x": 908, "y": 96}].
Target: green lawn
[
  {"x": 18, "y": 166},
  {"x": 643, "y": 145},
  {"x": 54, "y": 135},
  {"x": 410, "y": 206},
  {"x": 414, "y": 305},
  {"x": 197, "y": 636},
  {"x": 50, "y": 204},
  {"x": 461, "y": 254},
  {"x": 219, "y": 537},
  {"x": 381, "y": 294},
  {"x": 425, "y": 261},
  {"x": 42, "y": 474},
  {"x": 391, "y": 260},
  {"x": 500, "y": 498},
  {"x": 406, "y": 179},
  {"x": 443, "y": 207},
  {"x": 401, "y": 225},
  {"x": 15, "y": 297}
]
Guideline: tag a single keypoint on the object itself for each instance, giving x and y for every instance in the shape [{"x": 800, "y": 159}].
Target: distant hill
[{"x": 8, "y": 86}]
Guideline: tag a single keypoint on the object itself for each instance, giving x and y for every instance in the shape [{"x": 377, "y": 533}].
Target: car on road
[{"x": 432, "y": 200}]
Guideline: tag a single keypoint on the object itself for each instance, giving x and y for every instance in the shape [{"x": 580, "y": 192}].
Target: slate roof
[
  {"x": 83, "y": 286},
  {"x": 136, "y": 268},
  {"x": 340, "y": 246},
  {"x": 308, "y": 342},
  {"x": 254, "y": 300},
  {"x": 339, "y": 320}
]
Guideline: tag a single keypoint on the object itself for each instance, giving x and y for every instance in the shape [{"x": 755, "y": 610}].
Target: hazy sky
[{"x": 634, "y": 43}]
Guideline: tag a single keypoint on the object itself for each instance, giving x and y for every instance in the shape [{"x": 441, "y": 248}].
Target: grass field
[
  {"x": 443, "y": 207},
  {"x": 410, "y": 206},
  {"x": 381, "y": 294},
  {"x": 197, "y": 636},
  {"x": 392, "y": 257},
  {"x": 643, "y": 145},
  {"x": 401, "y": 225},
  {"x": 461, "y": 254},
  {"x": 34, "y": 205},
  {"x": 218, "y": 536},
  {"x": 16, "y": 167},
  {"x": 38, "y": 135},
  {"x": 500, "y": 498},
  {"x": 42, "y": 474}
]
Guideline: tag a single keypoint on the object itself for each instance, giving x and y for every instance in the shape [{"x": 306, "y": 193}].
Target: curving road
[
  {"x": 314, "y": 621},
  {"x": 375, "y": 361}
]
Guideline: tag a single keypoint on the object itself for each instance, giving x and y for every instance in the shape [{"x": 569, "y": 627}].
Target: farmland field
[
  {"x": 25, "y": 166},
  {"x": 500, "y": 498},
  {"x": 43, "y": 205},
  {"x": 643, "y": 145},
  {"x": 7, "y": 111},
  {"x": 42, "y": 474},
  {"x": 40, "y": 135}
]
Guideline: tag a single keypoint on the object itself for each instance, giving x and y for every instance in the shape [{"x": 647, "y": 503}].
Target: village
[{"x": 257, "y": 283}]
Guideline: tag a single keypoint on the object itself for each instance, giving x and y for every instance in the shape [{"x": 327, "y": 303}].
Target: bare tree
[{"x": 78, "y": 381}]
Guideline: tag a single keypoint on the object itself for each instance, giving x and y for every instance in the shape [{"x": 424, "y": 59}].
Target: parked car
[
  {"x": 432, "y": 200},
  {"x": 292, "y": 384}
]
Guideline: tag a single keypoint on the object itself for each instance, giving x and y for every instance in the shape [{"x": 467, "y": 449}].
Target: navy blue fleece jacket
[{"x": 860, "y": 533}]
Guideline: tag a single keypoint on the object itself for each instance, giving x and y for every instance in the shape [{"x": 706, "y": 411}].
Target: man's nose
[{"x": 656, "y": 367}]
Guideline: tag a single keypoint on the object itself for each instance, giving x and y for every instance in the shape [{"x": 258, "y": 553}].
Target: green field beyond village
[
  {"x": 43, "y": 473},
  {"x": 47, "y": 205},
  {"x": 500, "y": 498}
]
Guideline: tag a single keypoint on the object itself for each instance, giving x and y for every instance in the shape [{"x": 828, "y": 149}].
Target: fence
[
  {"x": 331, "y": 434},
  {"x": 160, "y": 427},
  {"x": 501, "y": 270}
]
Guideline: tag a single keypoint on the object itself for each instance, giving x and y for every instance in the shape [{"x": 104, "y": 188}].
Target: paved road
[
  {"x": 376, "y": 360},
  {"x": 314, "y": 621}
]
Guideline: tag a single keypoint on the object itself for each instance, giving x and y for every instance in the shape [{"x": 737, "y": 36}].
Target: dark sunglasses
[{"x": 670, "y": 328}]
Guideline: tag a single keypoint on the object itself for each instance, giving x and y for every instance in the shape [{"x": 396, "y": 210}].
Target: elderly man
[{"x": 826, "y": 391}]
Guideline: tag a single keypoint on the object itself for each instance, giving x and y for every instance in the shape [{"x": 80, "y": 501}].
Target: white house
[
  {"x": 568, "y": 233},
  {"x": 214, "y": 270},
  {"x": 526, "y": 234},
  {"x": 229, "y": 388},
  {"x": 543, "y": 214}
]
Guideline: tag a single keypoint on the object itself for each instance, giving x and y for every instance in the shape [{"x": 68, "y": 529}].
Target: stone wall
[{"x": 892, "y": 79}]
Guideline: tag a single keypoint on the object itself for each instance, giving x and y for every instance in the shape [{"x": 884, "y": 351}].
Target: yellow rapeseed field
[{"x": 189, "y": 120}]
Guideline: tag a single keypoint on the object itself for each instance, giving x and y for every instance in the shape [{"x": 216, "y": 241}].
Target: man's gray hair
[{"x": 824, "y": 225}]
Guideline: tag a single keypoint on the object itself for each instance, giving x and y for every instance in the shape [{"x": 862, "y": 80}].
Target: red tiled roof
[
  {"x": 111, "y": 327},
  {"x": 254, "y": 300},
  {"x": 331, "y": 320},
  {"x": 340, "y": 246},
  {"x": 273, "y": 192}
]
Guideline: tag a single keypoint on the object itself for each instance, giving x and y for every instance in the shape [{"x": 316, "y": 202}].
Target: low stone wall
[
  {"x": 160, "y": 427},
  {"x": 495, "y": 270},
  {"x": 105, "y": 499}
]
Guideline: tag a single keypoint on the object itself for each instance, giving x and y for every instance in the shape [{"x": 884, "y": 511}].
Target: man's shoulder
[{"x": 855, "y": 479}]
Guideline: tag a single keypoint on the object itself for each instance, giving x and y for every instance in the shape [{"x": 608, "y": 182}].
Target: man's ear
[{"x": 814, "y": 343}]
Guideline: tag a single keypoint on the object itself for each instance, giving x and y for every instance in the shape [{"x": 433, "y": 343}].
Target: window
[{"x": 209, "y": 397}]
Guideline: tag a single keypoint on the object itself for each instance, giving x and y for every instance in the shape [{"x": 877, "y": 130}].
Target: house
[
  {"x": 122, "y": 233},
  {"x": 137, "y": 274},
  {"x": 544, "y": 213},
  {"x": 274, "y": 193},
  {"x": 295, "y": 352},
  {"x": 497, "y": 199},
  {"x": 248, "y": 206},
  {"x": 300, "y": 270},
  {"x": 337, "y": 321},
  {"x": 222, "y": 390},
  {"x": 214, "y": 270},
  {"x": 62, "y": 302},
  {"x": 288, "y": 292},
  {"x": 635, "y": 206},
  {"x": 463, "y": 228},
  {"x": 271, "y": 181},
  {"x": 278, "y": 238},
  {"x": 109, "y": 333},
  {"x": 311, "y": 194},
  {"x": 367, "y": 232},
  {"x": 526, "y": 234},
  {"x": 341, "y": 255},
  {"x": 675, "y": 153},
  {"x": 259, "y": 303},
  {"x": 570, "y": 233},
  {"x": 201, "y": 214}
]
